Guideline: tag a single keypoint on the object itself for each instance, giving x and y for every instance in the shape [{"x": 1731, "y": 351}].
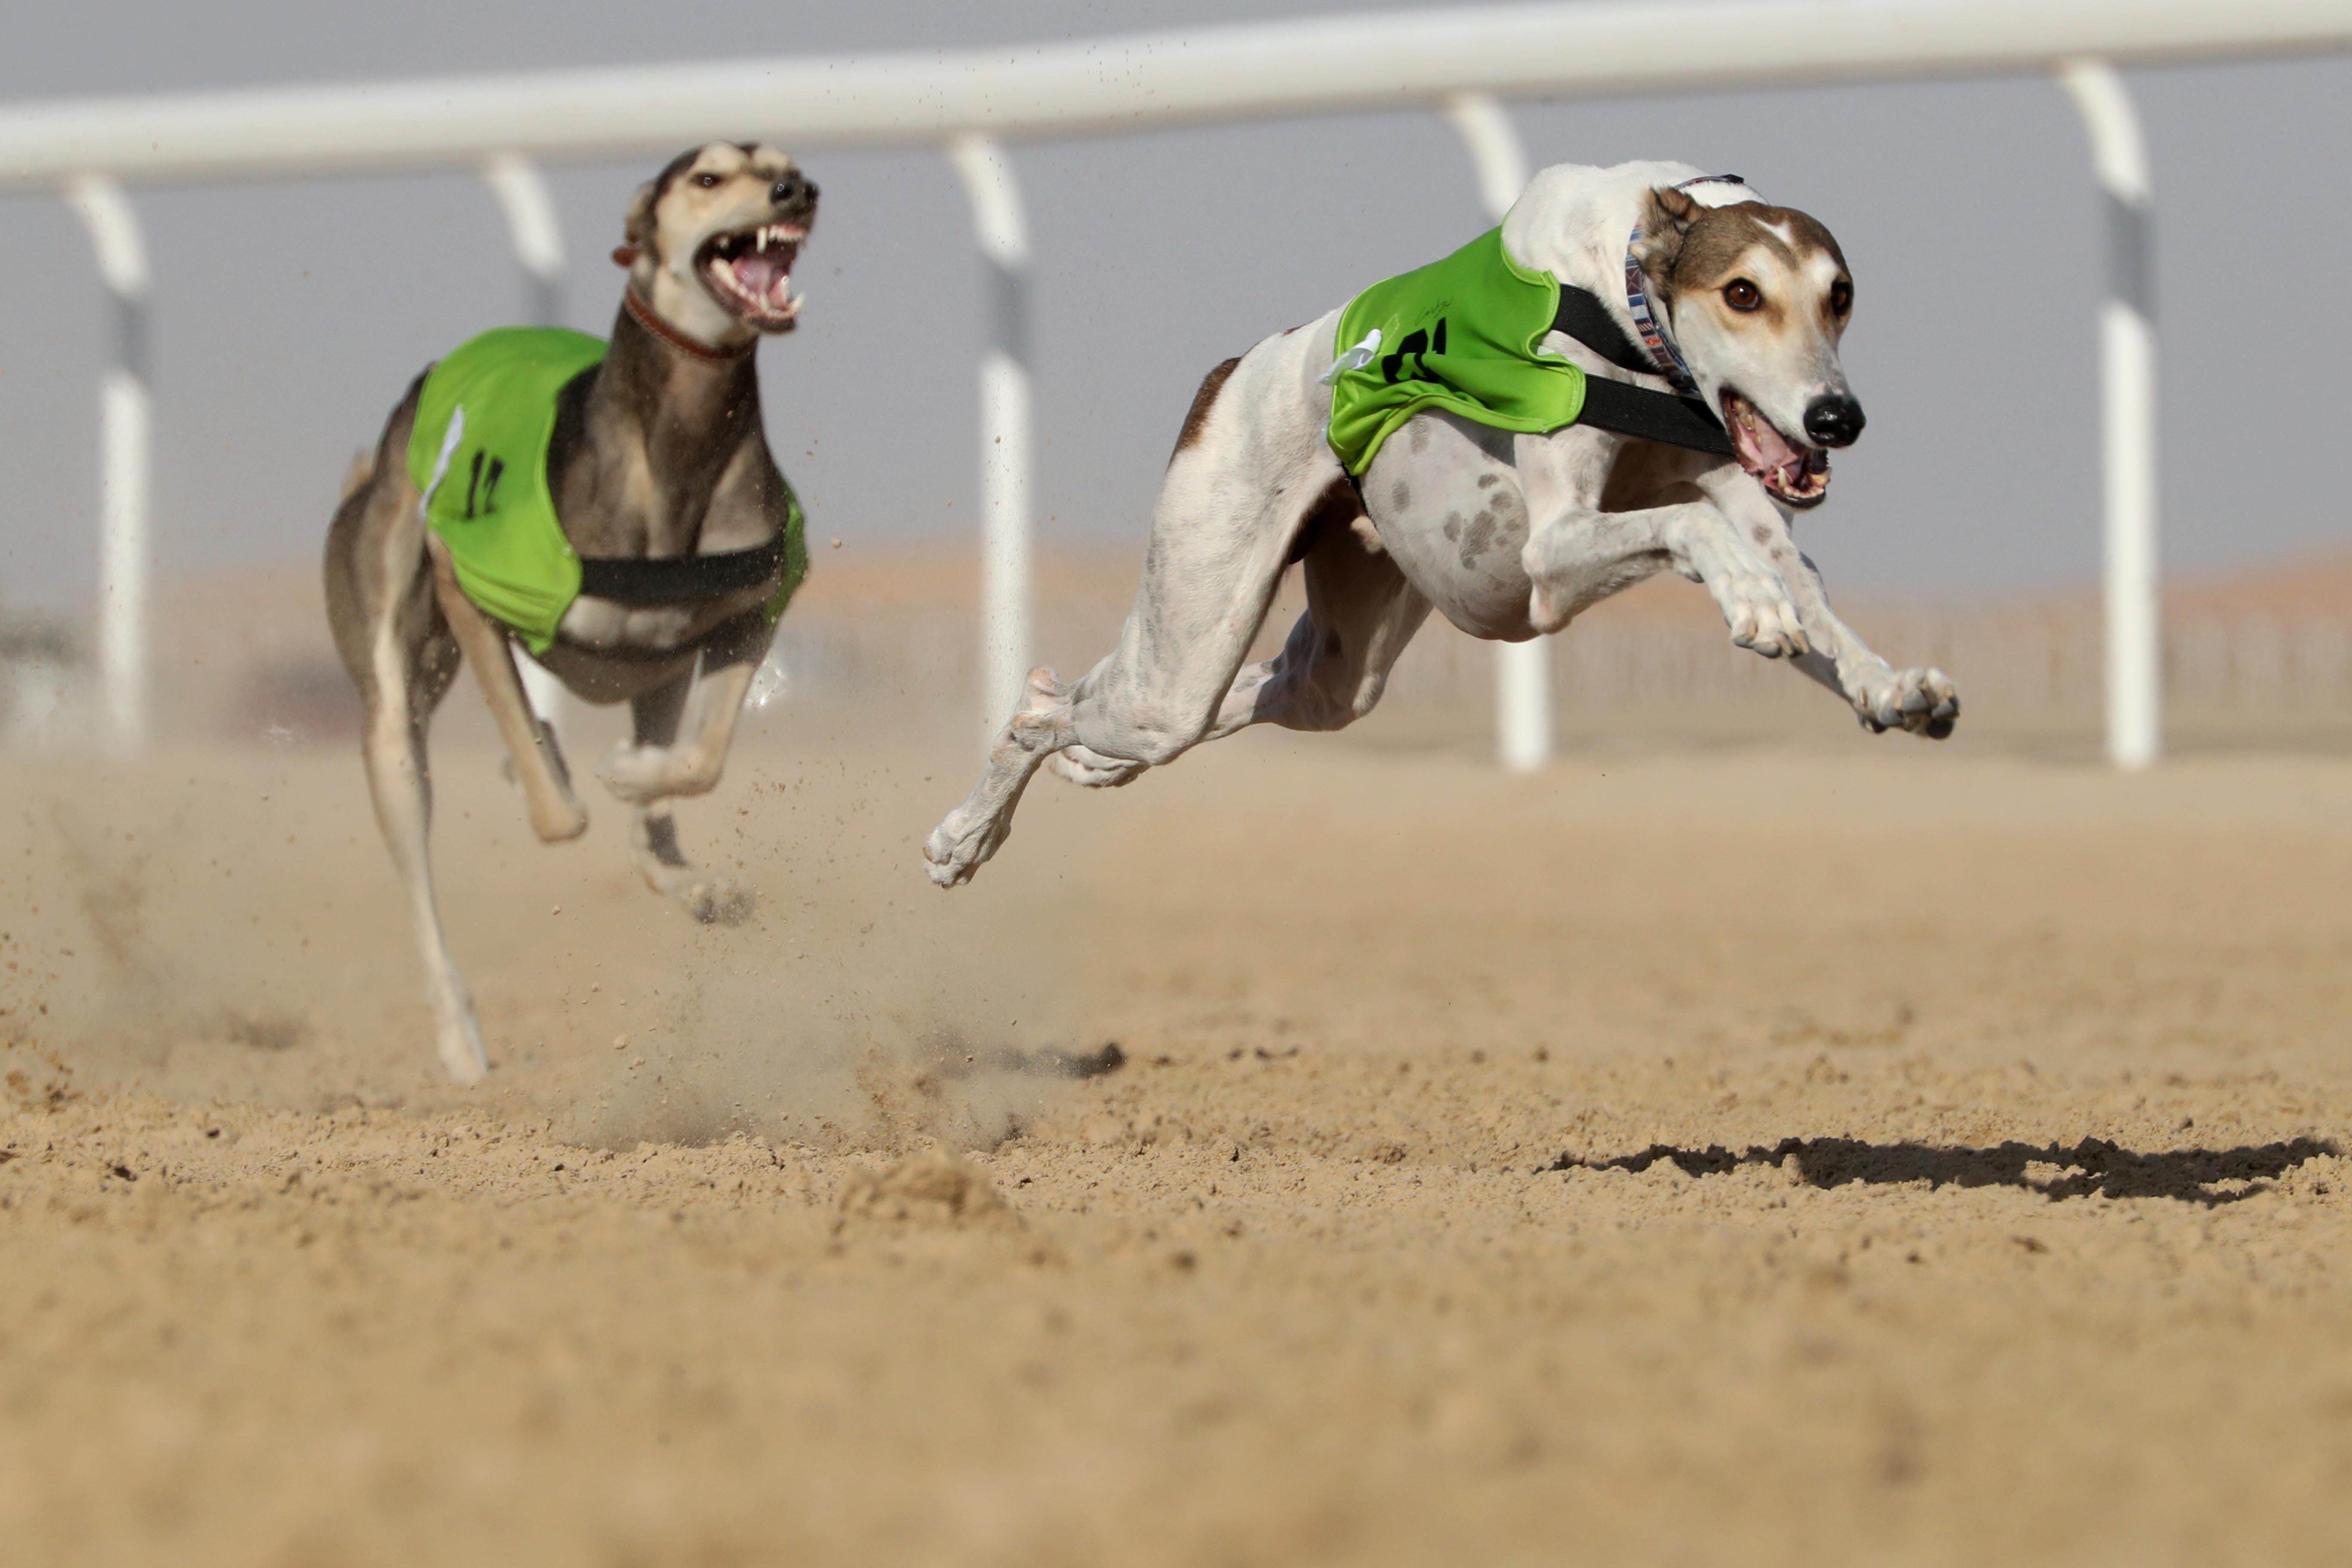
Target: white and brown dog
[
  {"x": 661, "y": 481},
  {"x": 1684, "y": 283}
]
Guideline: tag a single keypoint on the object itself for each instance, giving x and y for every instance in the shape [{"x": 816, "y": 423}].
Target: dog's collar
[
  {"x": 1665, "y": 359},
  {"x": 642, "y": 314}
]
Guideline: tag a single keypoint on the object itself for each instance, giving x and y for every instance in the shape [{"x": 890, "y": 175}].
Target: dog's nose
[
  {"x": 794, "y": 190},
  {"x": 1833, "y": 420}
]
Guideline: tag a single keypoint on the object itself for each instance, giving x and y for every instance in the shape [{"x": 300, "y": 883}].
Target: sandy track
[{"x": 1874, "y": 1156}]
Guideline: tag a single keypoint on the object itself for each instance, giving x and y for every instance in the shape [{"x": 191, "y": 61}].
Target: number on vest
[
  {"x": 486, "y": 493},
  {"x": 1417, "y": 344}
]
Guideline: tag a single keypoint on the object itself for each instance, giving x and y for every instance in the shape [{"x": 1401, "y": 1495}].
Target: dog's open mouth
[
  {"x": 749, "y": 272},
  {"x": 1797, "y": 476}
]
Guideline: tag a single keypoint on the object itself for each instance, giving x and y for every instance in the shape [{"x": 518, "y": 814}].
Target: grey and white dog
[
  {"x": 1510, "y": 536},
  {"x": 658, "y": 456}
]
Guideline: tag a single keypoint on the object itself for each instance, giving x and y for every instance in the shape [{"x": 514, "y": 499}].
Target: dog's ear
[
  {"x": 637, "y": 226},
  {"x": 1667, "y": 218}
]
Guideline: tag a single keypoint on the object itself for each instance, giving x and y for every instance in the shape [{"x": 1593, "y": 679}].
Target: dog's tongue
[
  {"x": 1764, "y": 445},
  {"x": 764, "y": 276}
]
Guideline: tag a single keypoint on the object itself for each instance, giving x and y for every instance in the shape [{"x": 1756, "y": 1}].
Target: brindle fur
[{"x": 658, "y": 451}]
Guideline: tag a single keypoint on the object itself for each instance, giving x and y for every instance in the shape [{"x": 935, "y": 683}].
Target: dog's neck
[
  {"x": 1583, "y": 225},
  {"x": 662, "y": 422},
  {"x": 634, "y": 306},
  {"x": 1649, "y": 306}
]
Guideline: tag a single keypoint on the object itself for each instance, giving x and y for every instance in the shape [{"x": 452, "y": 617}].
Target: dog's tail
[{"x": 362, "y": 470}]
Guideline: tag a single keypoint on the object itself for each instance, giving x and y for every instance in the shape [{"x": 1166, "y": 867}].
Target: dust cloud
[{"x": 226, "y": 924}]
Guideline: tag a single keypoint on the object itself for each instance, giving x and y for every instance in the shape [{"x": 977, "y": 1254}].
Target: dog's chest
[{"x": 605, "y": 626}]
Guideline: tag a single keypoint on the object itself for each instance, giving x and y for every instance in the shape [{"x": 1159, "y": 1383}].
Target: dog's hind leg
[
  {"x": 1248, "y": 470},
  {"x": 401, "y": 654},
  {"x": 975, "y": 830},
  {"x": 555, "y": 812},
  {"x": 1091, "y": 770},
  {"x": 1360, "y": 613},
  {"x": 400, "y": 782}
]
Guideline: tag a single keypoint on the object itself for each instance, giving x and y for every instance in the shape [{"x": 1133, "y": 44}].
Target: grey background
[{"x": 289, "y": 317}]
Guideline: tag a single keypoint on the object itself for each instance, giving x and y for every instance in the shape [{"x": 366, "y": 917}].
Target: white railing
[
  {"x": 2128, "y": 433},
  {"x": 972, "y": 101}
]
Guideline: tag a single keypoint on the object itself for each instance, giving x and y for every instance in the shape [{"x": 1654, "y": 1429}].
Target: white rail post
[
  {"x": 1003, "y": 231},
  {"x": 2128, "y": 434},
  {"x": 124, "y": 442},
  {"x": 537, "y": 235},
  {"x": 1523, "y": 702},
  {"x": 535, "y": 231}
]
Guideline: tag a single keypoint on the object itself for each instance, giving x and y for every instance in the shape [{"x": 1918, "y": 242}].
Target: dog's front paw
[
  {"x": 1919, "y": 700},
  {"x": 960, "y": 844},
  {"x": 1763, "y": 617}
]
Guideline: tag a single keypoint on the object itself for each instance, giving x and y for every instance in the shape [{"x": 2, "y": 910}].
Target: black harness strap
[
  {"x": 1583, "y": 317},
  {"x": 1653, "y": 416},
  {"x": 1633, "y": 410},
  {"x": 682, "y": 579}
]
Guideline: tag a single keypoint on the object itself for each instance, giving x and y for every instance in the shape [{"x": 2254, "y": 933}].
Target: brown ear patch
[
  {"x": 1667, "y": 218},
  {"x": 1720, "y": 236},
  {"x": 637, "y": 224},
  {"x": 1196, "y": 419}
]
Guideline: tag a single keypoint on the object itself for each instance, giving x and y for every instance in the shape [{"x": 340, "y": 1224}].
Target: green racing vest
[
  {"x": 478, "y": 456},
  {"x": 1464, "y": 333}
]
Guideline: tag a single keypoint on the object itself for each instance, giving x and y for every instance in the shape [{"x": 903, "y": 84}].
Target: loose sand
[{"x": 1873, "y": 1153}]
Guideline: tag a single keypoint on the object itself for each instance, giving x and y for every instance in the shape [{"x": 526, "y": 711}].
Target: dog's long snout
[
  {"x": 1833, "y": 420},
  {"x": 795, "y": 192}
]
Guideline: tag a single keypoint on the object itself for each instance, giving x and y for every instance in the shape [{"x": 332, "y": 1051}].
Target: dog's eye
[
  {"x": 707, "y": 182},
  {"x": 1841, "y": 297},
  {"x": 1742, "y": 295}
]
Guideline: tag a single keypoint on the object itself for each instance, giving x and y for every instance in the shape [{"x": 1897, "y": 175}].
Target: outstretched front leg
[
  {"x": 656, "y": 767},
  {"x": 1920, "y": 700},
  {"x": 1580, "y": 552},
  {"x": 555, "y": 813}
]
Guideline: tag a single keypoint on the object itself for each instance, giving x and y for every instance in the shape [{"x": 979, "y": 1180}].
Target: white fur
[{"x": 1539, "y": 550}]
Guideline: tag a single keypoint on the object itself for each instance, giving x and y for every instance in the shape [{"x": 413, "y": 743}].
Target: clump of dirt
[
  {"x": 934, "y": 1190},
  {"x": 40, "y": 1080}
]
